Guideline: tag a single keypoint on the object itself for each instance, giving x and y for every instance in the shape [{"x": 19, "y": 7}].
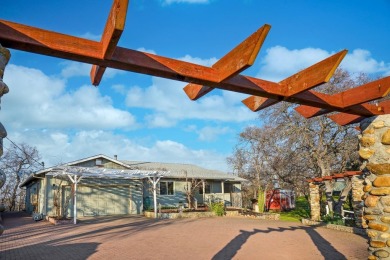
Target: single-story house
[{"x": 108, "y": 186}]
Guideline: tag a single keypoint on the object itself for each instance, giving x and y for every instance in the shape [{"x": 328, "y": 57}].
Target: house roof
[
  {"x": 96, "y": 157},
  {"x": 178, "y": 170},
  {"x": 171, "y": 170}
]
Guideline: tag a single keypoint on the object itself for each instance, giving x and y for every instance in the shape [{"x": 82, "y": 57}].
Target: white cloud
[
  {"x": 199, "y": 61},
  {"x": 168, "y": 2},
  {"x": 361, "y": 61},
  {"x": 36, "y": 100},
  {"x": 76, "y": 69},
  {"x": 146, "y": 50},
  {"x": 281, "y": 62},
  {"x": 209, "y": 133},
  {"x": 168, "y": 104},
  {"x": 91, "y": 36},
  {"x": 59, "y": 147}
]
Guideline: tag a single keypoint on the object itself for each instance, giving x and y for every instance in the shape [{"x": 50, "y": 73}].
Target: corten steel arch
[{"x": 224, "y": 74}]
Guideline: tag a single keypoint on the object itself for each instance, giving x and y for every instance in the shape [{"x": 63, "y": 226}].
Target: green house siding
[{"x": 97, "y": 197}]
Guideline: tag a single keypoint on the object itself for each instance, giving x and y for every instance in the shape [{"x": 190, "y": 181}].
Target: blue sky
[{"x": 53, "y": 106}]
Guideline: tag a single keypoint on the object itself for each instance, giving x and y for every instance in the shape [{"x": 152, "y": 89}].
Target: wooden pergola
[
  {"x": 335, "y": 176},
  {"x": 353, "y": 105}
]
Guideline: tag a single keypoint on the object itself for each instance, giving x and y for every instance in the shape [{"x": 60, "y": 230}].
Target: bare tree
[
  {"x": 192, "y": 185},
  {"x": 18, "y": 162},
  {"x": 294, "y": 148}
]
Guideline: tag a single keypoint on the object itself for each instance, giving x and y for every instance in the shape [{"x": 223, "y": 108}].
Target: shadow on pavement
[
  {"x": 46, "y": 251},
  {"x": 326, "y": 249}
]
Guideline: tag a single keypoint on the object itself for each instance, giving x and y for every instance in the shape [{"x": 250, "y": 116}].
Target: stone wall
[
  {"x": 357, "y": 200},
  {"x": 374, "y": 149},
  {"x": 315, "y": 208}
]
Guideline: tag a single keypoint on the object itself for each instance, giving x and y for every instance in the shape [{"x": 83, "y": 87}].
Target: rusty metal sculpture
[{"x": 225, "y": 74}]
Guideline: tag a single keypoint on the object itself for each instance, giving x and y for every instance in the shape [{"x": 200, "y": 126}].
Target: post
[
  {"x": 74, "y": 180},
  {"x": 154, "y": 182},
  {"x": 155, "y": 196},
  {"x": 315, "y": 210},
  {"x": 374, "y": 149},
  {"x": 75, "y": 202}
]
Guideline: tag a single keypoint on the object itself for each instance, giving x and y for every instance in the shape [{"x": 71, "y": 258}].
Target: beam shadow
[{"x": 325, "y": 248}]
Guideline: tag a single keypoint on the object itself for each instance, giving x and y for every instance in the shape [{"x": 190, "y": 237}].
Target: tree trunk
[
  {"x": 329, "y": 186},
  {"x": 12, "y": 205},
  {"x": 343, "y": 197}
]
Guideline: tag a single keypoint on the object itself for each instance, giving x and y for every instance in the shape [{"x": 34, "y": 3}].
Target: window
[
  {"x": 206, "y": 188},
  {"x": 211, "y": 187},
  {"x": 166, "y": 188},
  {"x": 227, "y": 187}
]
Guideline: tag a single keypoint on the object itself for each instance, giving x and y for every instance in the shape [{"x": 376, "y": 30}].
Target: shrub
[{"x": 218, "y": 208}]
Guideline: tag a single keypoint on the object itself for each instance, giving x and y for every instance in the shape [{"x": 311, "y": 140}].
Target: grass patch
[{"x": 302, "y": 210}]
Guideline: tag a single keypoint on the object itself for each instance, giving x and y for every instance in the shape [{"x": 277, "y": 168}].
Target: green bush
[
  {"x": 218, "y": 208},
  {"x": 335, "y": 219}
]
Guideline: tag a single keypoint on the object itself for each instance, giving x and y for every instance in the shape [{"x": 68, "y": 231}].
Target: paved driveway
[{"x": 135, "y": 237}]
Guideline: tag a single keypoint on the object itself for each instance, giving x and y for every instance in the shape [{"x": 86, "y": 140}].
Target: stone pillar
[
  {"x": 357, "y": 200},
  {"x": 375, "y": 151},
  {"x": 4, "y": 58},
  {"x": 315, "y": 208}
]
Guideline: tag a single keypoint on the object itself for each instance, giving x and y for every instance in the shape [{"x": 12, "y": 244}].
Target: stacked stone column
[
  {"x": 357, "y": 200},
  {"x": 375, "y": 150},
  {"x": 4, "y": 58},
  {"x": 315, "y": 208}
]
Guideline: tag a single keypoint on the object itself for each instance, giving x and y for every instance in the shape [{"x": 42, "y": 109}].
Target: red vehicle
[{"x": 280, "y": 200}]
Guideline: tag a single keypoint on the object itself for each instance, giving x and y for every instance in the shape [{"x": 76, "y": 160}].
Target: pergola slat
[
  {"x": 304, "y": 80},
  {"x": 256, "y": 103},
  {"x": 334, "y": 176},
  {"x": 224, "y": 75},
  {"x": 346, "y": 118},
  {"x": 352, "y": 97},
  {"x": 237, "y": 60},
  {"x": 112, "y": 32}
]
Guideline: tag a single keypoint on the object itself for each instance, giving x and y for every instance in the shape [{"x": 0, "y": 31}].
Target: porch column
[
  {"x": 357, "y": 201},
  {"x": 315, "y": 209},
  {"x": 374, "y": 149}
]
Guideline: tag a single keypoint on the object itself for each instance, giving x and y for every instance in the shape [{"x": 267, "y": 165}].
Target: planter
[
  {"x": 175, "y": 215},
  {"x": 56, "y": 221},
  {"x": 353, "y": 230},
  {"x": 265, "y": 216}
]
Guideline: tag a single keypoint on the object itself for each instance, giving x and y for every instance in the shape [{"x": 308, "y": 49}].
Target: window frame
[{"x": 166, "y": 183}]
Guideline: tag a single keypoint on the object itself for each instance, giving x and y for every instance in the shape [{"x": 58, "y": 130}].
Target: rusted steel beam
[
  {"x": 112, "y": 32},
  {"x": 314, "y": 75},
  {"x": 237, "y": 60},
  {"x": 352, "y": 97},
  {"x": 304, "y": 80},
  {"x": 348, "y": 118},
  {"x": 365, "y": 93},
  {"x": 35, "y": 40},
  {"x": 256, "y": 103}
]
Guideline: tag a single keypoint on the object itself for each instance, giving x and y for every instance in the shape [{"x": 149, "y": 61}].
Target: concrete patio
[{"x": 136, "y": 237}]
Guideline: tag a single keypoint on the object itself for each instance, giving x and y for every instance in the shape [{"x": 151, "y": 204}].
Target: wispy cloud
[
  {"x": 58, "y": 146},
  {"x": 281, "y": 62}
]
